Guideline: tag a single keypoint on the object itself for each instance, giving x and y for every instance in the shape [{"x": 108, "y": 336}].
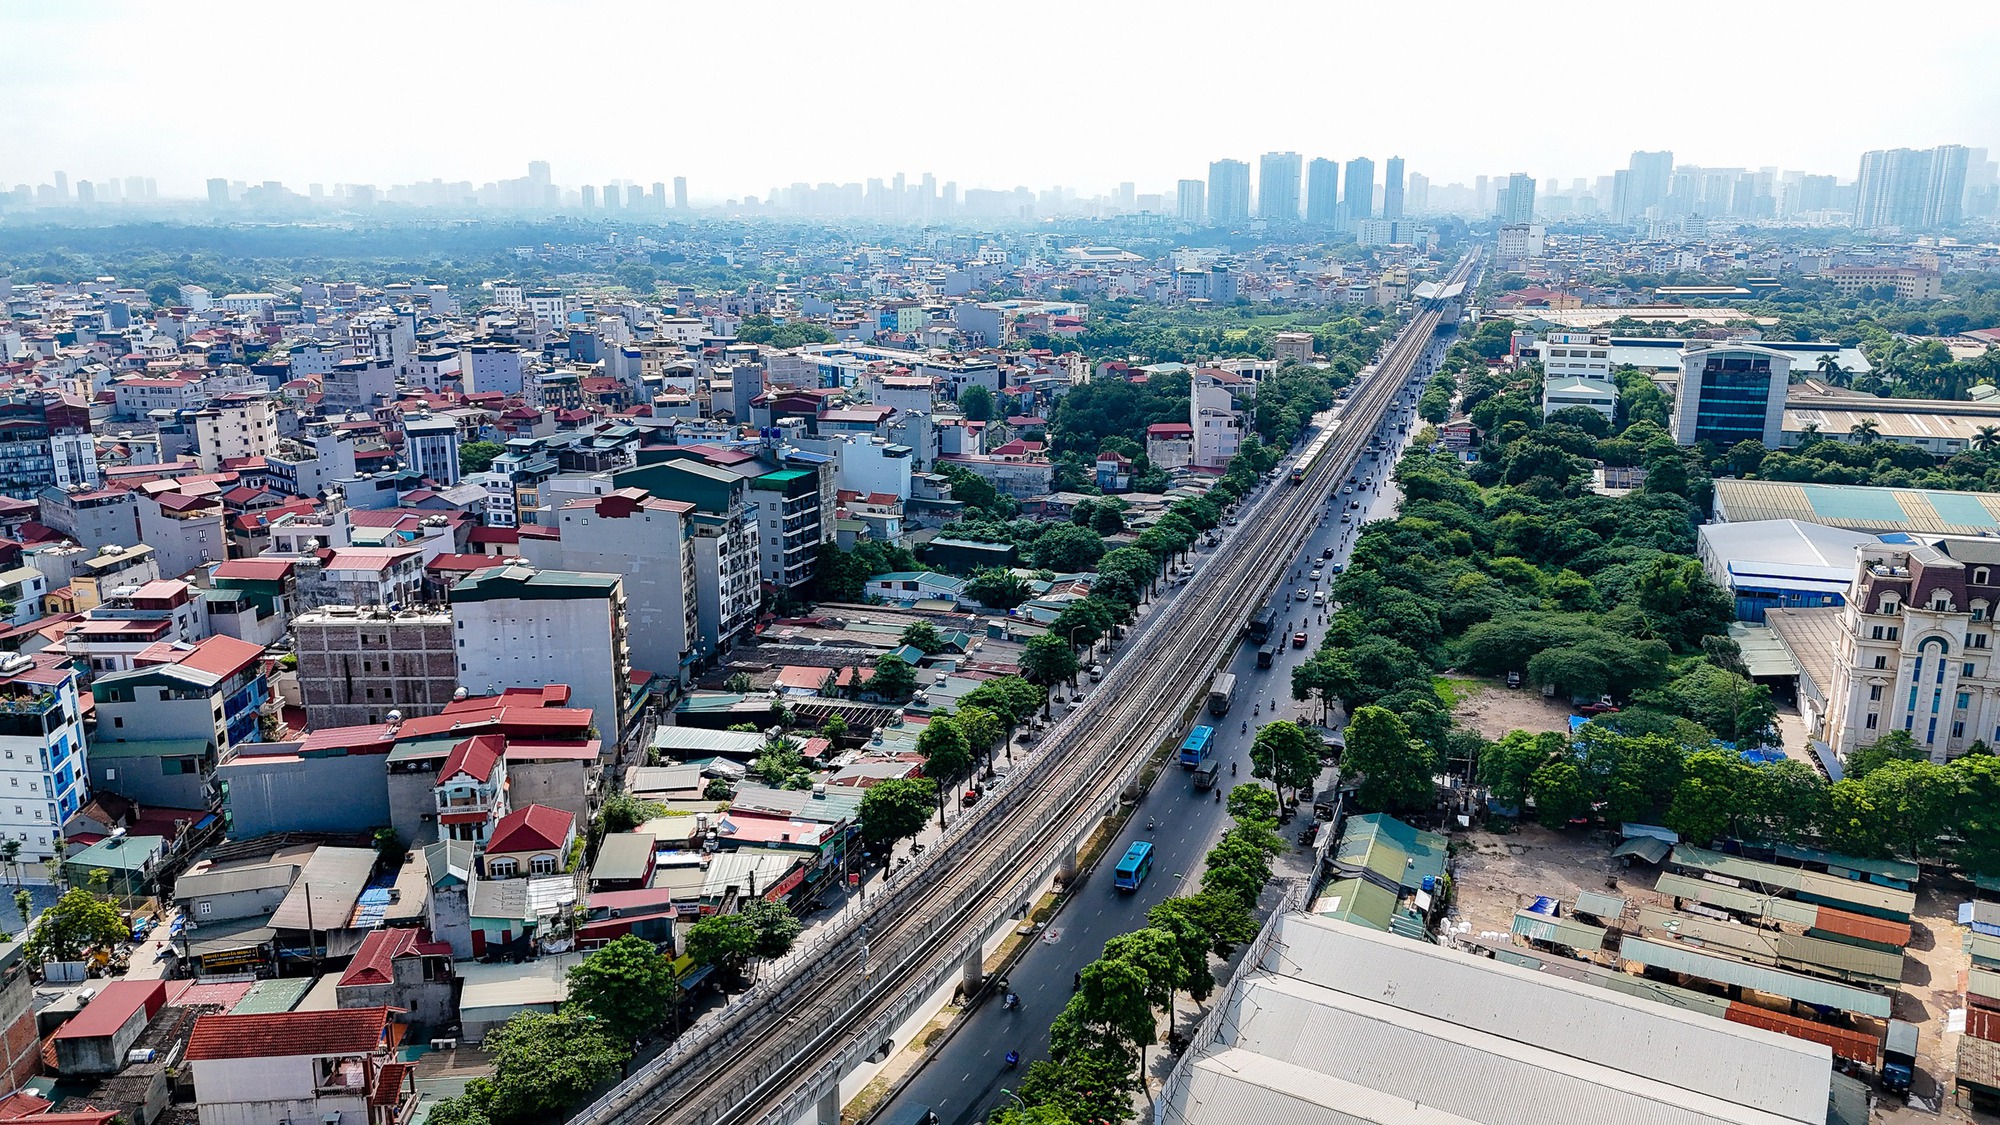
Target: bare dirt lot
[
  {"x": 1493, "y": 709},
  {"x": 1498, "y": 873}
]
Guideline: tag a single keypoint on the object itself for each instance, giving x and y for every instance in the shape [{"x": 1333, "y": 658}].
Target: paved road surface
[{"x": 964, "y": 1080}]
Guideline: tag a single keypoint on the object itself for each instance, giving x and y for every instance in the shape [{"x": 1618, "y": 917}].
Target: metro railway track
[{"x": 747, "y": 1060}]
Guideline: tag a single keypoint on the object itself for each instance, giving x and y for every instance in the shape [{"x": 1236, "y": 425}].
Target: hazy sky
[{"x": 739, "y": 95}]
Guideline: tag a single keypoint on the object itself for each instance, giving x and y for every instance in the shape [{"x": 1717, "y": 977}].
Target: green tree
[
  {"x": 1253, "y": 804},
  {"x": 477, "y": 456},
  {"x": 1157, "y": 954},
  {"x": 977, "y": 403},
  {"x": 24, "y": 902},
  {"x": 1507, "y": 765},
  {"x": 544, "y": 1065},
  {"x": 1114, "y": 1003},
  {"x": 1732, "y": 706},
  {"x": 947, "y": 756},
  {"x": 983, "y": 729},
  {"x": 1397, "y": 770},
  {"x": 1011, "y": 698},
  {"x": 1916, "y": 803},
  {"x": 923, "y": 636},
  {"x": 1048, "y": 660},
  {"x": 1706, "y": 804},
  {"x": 1090, "y": 1084},
  {"x": 725, "y": 941},
  {"x": 1895, "y": 746},
  {"x": 622, "y": 812},
  {"x": 1285, "y": 755},
  {"x": 895, "y": 810},
  {"x": 628, "y": 985},
  {"x": 1559, "y": 794},
  {"x": 779, "y": 762},
  {"x": 1067, "y": 549},
  {"x": 78, "y": 922},
  {"x": 775, "y": 926},
  {"x": 894, "y": 678},
  {"x": 998, "y": 588},
  {"x": 1107, "y": 520}
]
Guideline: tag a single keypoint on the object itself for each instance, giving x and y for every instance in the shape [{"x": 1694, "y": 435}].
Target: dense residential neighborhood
[{"x": 490, "y": 653}]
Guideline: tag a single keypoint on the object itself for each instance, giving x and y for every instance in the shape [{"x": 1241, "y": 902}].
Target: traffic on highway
[{"x": 966, "y": 1078}]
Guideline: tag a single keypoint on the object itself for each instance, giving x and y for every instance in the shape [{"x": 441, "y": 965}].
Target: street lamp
[{"x": 1017, "y": 1099}]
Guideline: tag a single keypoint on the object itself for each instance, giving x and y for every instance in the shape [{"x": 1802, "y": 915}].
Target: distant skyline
[{"x": 740, "y": 100}]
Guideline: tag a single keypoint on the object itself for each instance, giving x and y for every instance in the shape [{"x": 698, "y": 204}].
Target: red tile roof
[
  {"x": 113, "y": 1005},
  {"x": 389, "y": 1084},
  {"x": 343, "y": 1031},
  {"x": 535, "y": 828},
  {"x": 475, "y": 757},
  {"x": 380, "y": 949},
  {"x": 222, "y": 656}
]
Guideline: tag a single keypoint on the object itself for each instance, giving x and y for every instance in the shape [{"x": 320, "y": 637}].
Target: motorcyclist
[
  {"x": 1013, "y": 1059},
  {"x": 1232, "y": 769},
  {"x": 1218, "y": 796},
  {"x": 1246, "y": 726},
  {"x": 1151, "y": 824}
]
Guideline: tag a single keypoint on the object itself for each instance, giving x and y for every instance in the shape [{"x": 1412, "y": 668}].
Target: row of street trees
[{"x": 1098, "y": 1043}]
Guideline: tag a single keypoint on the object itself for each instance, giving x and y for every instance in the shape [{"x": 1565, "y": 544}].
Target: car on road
[
  {"x": 1303, "y": 594},
  {"x": 1097, "y": 671},
  {"x": 1327, "y": 553},
  {"x": 1298, "y": 640},
  {"x": 1317, "y": 574},
  {"x": 1336, "y": 568},
  {"x": 1346, "y": 518},
  {"x": 1319, "y": 598},
  {"x": 1514, "y": 679}
]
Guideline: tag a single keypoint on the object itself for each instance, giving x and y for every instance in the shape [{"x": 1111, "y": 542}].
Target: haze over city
[
  {"x": 1036, "y": 93},
  {"x": 657, "y": 563}
]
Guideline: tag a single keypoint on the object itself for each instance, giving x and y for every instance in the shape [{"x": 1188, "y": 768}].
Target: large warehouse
[{"x": 1336, "y": 1023}]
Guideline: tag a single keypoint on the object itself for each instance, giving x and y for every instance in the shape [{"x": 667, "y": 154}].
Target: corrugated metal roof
[
  {"x": 1580, "y": 936},
  {"x": 1867, "y": 898},
  {"x": 1544, "y": 1012},
  {"x": 1897, "y": 869},
  {"x": 1775, "y": 947},
  {"x": 1753, "y": 903},
  {"x": 1600, "y": 905},
  {"x": 1682, "y": 959},
  {"x": 1357, "y": 900},
  {"x": 1648, "y": 848}
]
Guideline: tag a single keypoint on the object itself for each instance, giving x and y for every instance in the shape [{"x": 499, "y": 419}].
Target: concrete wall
[
  {"x": 448, "y": 912},
  {"x": 559, "y": 785},
  {"x": 277, "y": 794},
  {"x": 20, "y": 1045},
  {"x": 100, "y": 1054}
]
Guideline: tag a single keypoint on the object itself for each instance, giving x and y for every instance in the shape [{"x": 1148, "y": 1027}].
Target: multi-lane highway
[
  {"x": 965, "y": 1078},
  {"x": 778, "y": 1051}
]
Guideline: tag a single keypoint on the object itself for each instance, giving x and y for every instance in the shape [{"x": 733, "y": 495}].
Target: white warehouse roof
[{"x": 1450, "y": 1036}]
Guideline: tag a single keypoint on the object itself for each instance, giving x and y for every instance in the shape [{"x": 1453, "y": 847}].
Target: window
[
  {"x": 1873, "y": 718},
  {"x": 201, "y": 908},
  {"x": 1964, "y": 700},
  {"x": 1875, "y": 634},
  {"x": 1895, "y": 632},
  {"x": 1874, "y": 693},
  {"x": 502, "y": 868},
  {"x": 1968, "y": 668},
  {"x": 1890, "y": 603},
  {"x": 1958, "y": 730},
  {"x": 542, "y": 865},
  {"x": 1982, "y": 576}
]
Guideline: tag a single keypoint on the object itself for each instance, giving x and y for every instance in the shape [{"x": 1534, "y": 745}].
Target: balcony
[{"x": 25, "y": 703}]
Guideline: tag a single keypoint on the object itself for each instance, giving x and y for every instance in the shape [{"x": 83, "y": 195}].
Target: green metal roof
[
  {"x": 1810, "y": 886},
  {"x": 1580, "y": 936},
  {"x": 1680, "y": 959},
  {"x": 122, "y": 853},
  {"x": 1887, "y": 868},
  {"x": 1737, "y": 899},
  {"x": 269, "y": 997},
  {"x": 1358, "y": 901},
  {"x": 786, "y": 475},
  {"x": 1392, "y": 849},
  {"x": 1649, "y": 848}
]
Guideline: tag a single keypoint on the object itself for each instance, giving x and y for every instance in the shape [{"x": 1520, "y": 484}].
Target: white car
[
  {"x": 1316, "y": 574},
  {"x": 1303, "y": 593}
]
